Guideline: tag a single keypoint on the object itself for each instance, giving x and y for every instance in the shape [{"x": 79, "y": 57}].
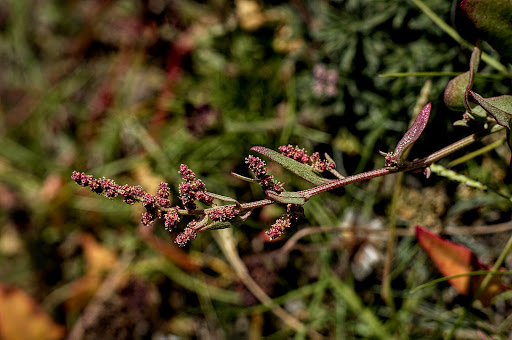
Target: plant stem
[
  {"x": 338, "y": 183},
  {"x": 408, "y": 166},
  {"x": 423, "y": 162}
]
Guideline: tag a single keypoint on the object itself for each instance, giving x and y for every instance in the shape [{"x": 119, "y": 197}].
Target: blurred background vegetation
[{"x": 131, "y": 89}]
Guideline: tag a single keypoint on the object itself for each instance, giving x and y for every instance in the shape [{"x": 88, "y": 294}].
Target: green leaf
[
  {"x": 243, "y": 178},
  {"x": 473, "y": 69},
  {"x": 287, "y": 197},
  {"x": 456, "y": 36},
  {"x": 490, "y": 20},
  {"x": 478, "y": 112},
  {"x": 500, "y": 108},
  {"x": 302, "y": 170},
  {"x": 455, "y": 91},
  {"x": 223, "y": 198}
]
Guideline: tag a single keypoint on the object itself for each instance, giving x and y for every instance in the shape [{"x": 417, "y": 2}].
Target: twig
[
  {"x": 476, "y": 230},
  {"x": 106, "y": 290},
  {"x": 225, "y": 239},
  {"x": 408, "y": 166}
]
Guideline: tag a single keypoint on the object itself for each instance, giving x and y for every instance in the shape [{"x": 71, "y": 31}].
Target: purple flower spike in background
[{"x": 325, "y": 81}]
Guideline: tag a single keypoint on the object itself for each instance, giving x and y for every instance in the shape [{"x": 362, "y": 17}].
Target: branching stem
[
  {"x": 338, "y": 183},
  {"x": 407, "y": 166}
]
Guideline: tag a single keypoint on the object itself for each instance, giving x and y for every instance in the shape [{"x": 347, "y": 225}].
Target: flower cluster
[
  {"x": 390, "y": 160},
  {"x": 108, "y": 187},
  {"x": 171, "y": 218},
  {"x": 293, "y": 212},
  {"x": 325, "y": 81},
  {"x": 300, "y": 155},
  {"x": 267, "y": 182},
  {"x": 192, "y": 189},
  {"x": 224, "y": 213},
  {"x": 131, "y": 194},
  {"x": 159, "y": 206},
  {"x": 188, "y": 234},
  {"x": 163, "y": 190}
]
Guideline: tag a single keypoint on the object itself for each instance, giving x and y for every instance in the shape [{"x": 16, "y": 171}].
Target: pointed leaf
[
  {"x": 236, "y": 222},
  {"x": 500, "y": 108},
  {"x": 454, "y": 259},
  {"x": 449, "y": 258},
  {"x": 413, "y": 133},
  {"x": 223, "y": 198},
  {"x": 287, "y": 197},
  {"x": 302, "y": 170},
  {"x": 243, "y": 178}
]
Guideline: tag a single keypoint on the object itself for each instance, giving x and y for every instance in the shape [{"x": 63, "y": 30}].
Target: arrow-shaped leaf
[
  {"x": 302, "y": 170},
  {"x": 500, "y": 108}
]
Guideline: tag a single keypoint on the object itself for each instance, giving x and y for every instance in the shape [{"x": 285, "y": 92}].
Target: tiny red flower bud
[
  {"x": 187, "y": 235},
  {"x": 171, "y": 218},
  {"x": 148, "y": 201},
  {"x": 278, "y": 228},
  {"x": 224, "y": 213},
  {"x": 163, "y": 190},
  {"x": 147, "y": 218}
]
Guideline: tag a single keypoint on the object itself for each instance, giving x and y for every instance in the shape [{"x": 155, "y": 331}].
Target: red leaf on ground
[{"x": 454, "y": 259}]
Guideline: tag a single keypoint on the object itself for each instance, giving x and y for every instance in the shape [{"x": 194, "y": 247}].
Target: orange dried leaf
[
  {"x": 22, "y": 318},
  {"x": 454, "y": 259},
  {"x": 450, "y": 258},
  {"x": 81, "y": 292},
  {"x": 99, "y": 258}
]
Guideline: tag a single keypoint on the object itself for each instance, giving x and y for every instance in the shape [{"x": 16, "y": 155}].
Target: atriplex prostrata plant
[
  {"x": 493, "y": 113},
  {"x": 215, "y": 216}
]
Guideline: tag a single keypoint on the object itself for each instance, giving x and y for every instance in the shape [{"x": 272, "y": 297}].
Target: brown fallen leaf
[{"x": 22, "y": 318}]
